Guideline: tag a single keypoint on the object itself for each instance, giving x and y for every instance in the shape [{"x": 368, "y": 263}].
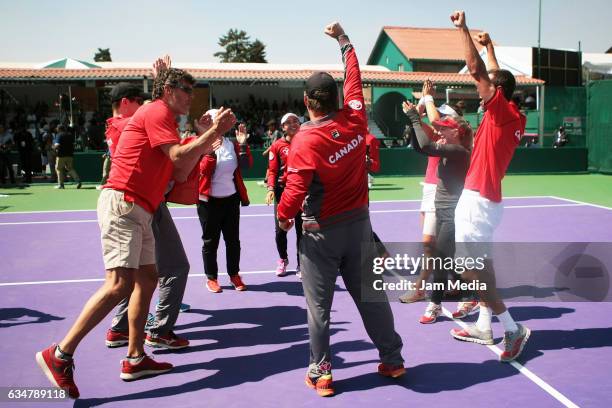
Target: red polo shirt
[
  {"x": 140, "y": 168},
  {"x": 497, "y": 137}
]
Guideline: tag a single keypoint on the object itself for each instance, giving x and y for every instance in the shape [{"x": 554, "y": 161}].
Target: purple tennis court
[{"x": 251, "y": 348}]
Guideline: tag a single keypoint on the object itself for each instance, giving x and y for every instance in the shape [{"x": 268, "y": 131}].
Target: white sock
[
  {"x": 484, "y": 318},
  {"x": 61, "y": 354},
  {"x": 507, "y": 321},
  {"x": 135, "y": 360}
]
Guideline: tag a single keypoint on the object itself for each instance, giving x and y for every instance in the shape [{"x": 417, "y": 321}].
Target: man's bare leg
[
  {"x": 118, "y": 284},
  {"x": 145, "y": 282}
]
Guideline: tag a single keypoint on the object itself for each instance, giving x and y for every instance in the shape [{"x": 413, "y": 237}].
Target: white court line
[
  {"x": 581, "y": 202},
  {"x": 251, "y": 205},
  {"x": 521, "y": 368},
  {"x": 58, "y": 282},
  {"x": 271, "y": 214}
]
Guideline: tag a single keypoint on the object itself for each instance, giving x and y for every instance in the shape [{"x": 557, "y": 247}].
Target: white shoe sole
[
  {"x": 114, "y": 344},
  {"x": 164, "y": 346},
  {"x": 43, "y": 366},
  {"x": 140, "y": 374},
  {"x": 473, "y": 340}
]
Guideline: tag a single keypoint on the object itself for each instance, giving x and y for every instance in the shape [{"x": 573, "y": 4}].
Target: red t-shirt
[
  {"x": 114, "y": 127},
  {"x": 326, "y": 171},
  {"x": 431, "y": 174},
  {"x": 498, "y": 135},
  {"x": 372, "y": 153},
  {"x": 140, "y": 168},
  {"x": 277, "y": 164}
]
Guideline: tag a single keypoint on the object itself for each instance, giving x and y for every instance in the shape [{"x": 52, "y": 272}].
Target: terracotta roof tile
[
  {"x": 429, "y": 43},
  {"x": 369, "y": 77}
]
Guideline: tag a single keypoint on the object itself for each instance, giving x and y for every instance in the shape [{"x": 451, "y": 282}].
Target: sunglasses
[{"x": 187, "y": 89}]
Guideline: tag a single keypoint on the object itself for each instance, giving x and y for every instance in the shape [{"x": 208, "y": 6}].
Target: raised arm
[
  {"x": 484, "y": 39},
  {"x": 475, "y": 64},
  {"x": 245, "y": 158},
  {"x": 352, "y": 88},
  {"x": 427, "y": 99}
]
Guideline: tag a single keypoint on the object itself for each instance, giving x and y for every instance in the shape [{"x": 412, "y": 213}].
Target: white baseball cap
[
  {"x": 212, "y": 113},
  {"x": 446, "y": 110},
  {"x": 286, "y": 116}
]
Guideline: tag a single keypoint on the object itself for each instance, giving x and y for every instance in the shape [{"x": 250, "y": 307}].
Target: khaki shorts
[{"x": 125, "y": 232}]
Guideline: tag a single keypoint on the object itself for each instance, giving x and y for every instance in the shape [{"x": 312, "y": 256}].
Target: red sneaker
[
  {"x": 238, "y": 283},
  {"x": 146, "y": 367},
  {"x": 116, "y": 339},
  {"x": 514, "y": 342},
  {"x": 432, "y": 313},
  {"x": 213, "y": 286},
  {"x": 465, "y": 309},
  {"x": 58, "y": 371},
  {"x": 393, "y": 371},
  {"x": 169, "y": 341},
  {"x": 322, "y": 384}
]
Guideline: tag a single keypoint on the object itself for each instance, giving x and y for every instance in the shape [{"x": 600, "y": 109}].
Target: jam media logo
[
  {"x": 585, "y": 275},
  {"x": 335, "y": 134}
]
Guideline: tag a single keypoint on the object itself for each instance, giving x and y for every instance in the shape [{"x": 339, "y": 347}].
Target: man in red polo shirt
[
  {"x": 480, "y": 208},
  {"x": 148, "y": 155},
  {"x": 326, "y": 175}
]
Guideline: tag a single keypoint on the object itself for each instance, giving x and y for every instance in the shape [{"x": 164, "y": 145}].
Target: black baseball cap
[
  {"x": 127, "y": 90},
  {"x": 321, "y": 81}
]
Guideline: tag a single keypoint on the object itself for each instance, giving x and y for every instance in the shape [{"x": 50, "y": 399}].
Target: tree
[
  {"x": 103, "y": 55},
  {"x": 239, "y": 48}
]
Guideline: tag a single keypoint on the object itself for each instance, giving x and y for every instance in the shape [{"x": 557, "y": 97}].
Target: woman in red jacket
[
  {"x": 221, "y": 192},
  {"x": 277, "y": 176}
]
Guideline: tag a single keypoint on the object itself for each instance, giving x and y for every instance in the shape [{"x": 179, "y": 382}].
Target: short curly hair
[{"x": 170, "y": 77}]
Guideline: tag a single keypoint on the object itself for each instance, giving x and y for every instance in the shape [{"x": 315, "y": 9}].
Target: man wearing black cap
[
  {"x": 125, "y": 98},
  {"x": 327, "y": 175}
]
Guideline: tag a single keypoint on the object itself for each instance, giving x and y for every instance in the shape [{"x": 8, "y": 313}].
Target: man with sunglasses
[{"x": 147, "y": 156}]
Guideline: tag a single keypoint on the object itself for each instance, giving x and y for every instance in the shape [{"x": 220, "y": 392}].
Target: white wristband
[{"x": 425, "y": 99}]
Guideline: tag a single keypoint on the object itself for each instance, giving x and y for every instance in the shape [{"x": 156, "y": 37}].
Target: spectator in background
[
  {"x": 25, "y": 146},
  {"x": 561, "y": 139},
  {"x": 6, "y": 143},
  {"x": 48, "y": 154},
  {"x": 272, "y": 134},
  {"x": 64, "y": 146},
  {"x": 460, "y": 107},
  {"x": 188, "y": 131}
]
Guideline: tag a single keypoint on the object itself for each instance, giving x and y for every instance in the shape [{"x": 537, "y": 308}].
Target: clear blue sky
[{"x": 135, "y": 30}]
